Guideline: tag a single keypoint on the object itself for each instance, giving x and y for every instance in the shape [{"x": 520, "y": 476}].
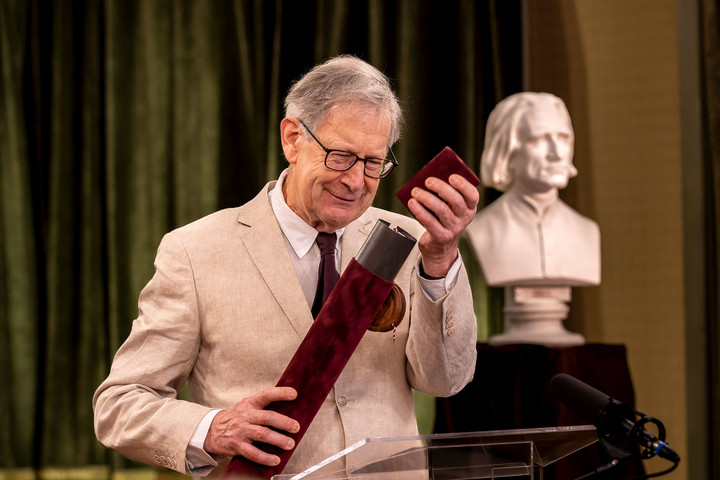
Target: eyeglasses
[{"x": 340, "y": 160}]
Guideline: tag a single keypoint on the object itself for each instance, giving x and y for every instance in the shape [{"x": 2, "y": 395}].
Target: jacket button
[{"x": 342, "y": 401}]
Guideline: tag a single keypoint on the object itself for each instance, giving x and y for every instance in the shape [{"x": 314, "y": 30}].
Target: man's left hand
[{"x": 445, "y": 210}]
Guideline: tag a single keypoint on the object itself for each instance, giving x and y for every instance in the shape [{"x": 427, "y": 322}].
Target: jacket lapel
[{"x": 265, "y": 243}]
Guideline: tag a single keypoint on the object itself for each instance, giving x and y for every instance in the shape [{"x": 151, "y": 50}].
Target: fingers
[
  {"x": 450, "y": 206},
  {"x": 272, "y": 394},
  {"x": 234, "y": 431},
  {"x": 256, "y": 414},
  {"x": 269, "y": 418},
  {"x": 458, "y": 193},
  {"x": 445, "y": 209},
  {"x": 468, "y": 190},
  {"x": 249, "y": 450}
]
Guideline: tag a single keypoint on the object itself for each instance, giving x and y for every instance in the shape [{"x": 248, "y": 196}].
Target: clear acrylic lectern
[{"x": 518, "y": 454}]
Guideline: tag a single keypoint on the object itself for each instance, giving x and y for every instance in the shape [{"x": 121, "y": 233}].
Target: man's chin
[{"x": 338, "y": 220}]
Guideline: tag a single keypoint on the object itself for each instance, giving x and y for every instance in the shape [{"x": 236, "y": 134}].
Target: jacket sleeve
[
  {"x": 137, "y": 410},
  {"x": 441, "y": 348}
]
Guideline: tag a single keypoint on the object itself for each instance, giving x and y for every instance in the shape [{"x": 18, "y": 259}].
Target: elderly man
[
  {"x": 529, "y": 236},
  {"x": 232, "y": 294}
]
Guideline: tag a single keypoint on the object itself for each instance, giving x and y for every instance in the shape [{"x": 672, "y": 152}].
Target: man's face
[
  {"x": 328, "y": 199},
  {"x": 544, "y": 159}
]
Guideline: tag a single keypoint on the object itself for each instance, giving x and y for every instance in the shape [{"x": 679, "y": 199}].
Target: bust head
[{"x": 529, "y": 142}]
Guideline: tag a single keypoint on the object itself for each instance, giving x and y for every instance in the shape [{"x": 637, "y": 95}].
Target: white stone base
[{"x": 535, "y": 315}]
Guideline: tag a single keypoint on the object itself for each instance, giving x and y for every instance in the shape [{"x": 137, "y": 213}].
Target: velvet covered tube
[{"x": 328, "y": 346}]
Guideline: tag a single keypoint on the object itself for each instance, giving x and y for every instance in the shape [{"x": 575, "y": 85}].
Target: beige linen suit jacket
[{"x": 225, "y": 313}]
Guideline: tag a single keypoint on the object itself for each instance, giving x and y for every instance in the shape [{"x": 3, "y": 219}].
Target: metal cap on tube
[{"x": 385, "y": 250}]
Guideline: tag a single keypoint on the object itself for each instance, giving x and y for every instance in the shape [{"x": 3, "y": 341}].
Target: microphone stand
[
  {"x": 621, "y": 428},
  {"x": 617, "y": 456}
]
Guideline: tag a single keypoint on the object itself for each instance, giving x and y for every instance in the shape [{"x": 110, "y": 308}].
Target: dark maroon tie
[{"x": 327, "y": 274}]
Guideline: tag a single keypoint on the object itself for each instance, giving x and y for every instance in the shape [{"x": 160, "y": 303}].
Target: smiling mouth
[
  {"x": 345, "y": 200},
  {"x": 342, "y": 199}
]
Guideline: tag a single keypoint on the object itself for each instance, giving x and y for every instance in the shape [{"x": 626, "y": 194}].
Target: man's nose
[{"x": 354, "y": 177}]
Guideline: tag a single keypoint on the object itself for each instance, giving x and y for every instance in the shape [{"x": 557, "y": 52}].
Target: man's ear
[{"x": 289, "y": 137}]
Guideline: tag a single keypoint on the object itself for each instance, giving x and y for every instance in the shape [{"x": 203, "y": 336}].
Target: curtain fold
[
  {"x": 710, "y": 61},
  {"x": 123, "y": 119},
  {"x": 20, "y": 343}
]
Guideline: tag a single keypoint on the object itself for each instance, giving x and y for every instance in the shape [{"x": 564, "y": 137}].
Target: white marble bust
[{"x": 529, "y": 236}]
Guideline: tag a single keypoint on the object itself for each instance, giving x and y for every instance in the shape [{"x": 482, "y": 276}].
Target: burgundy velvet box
[{"x": 442, "y": 166}]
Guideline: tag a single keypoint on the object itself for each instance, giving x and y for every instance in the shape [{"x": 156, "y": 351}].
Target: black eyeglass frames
[{"x": 340, "y": 160}]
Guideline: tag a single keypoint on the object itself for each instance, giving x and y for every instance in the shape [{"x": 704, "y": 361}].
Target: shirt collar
[{"x": 299, "y": 234}]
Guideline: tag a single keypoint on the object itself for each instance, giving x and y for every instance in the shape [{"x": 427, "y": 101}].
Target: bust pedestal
[{"x": 535, "y": 314}]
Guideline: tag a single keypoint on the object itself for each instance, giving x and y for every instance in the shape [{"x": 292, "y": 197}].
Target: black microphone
[{"x": 615, "y": 421}]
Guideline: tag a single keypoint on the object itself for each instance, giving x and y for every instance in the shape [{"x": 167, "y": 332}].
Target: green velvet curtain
[{"x": 122, "y": 119}]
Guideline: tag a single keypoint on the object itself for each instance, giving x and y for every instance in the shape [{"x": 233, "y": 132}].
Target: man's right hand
[{"x": 233, "y": 431}]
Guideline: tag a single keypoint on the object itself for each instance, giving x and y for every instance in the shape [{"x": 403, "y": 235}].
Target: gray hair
[
  {"x": 344, "y": 78},
  {"x": 501, "y": 135}
]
